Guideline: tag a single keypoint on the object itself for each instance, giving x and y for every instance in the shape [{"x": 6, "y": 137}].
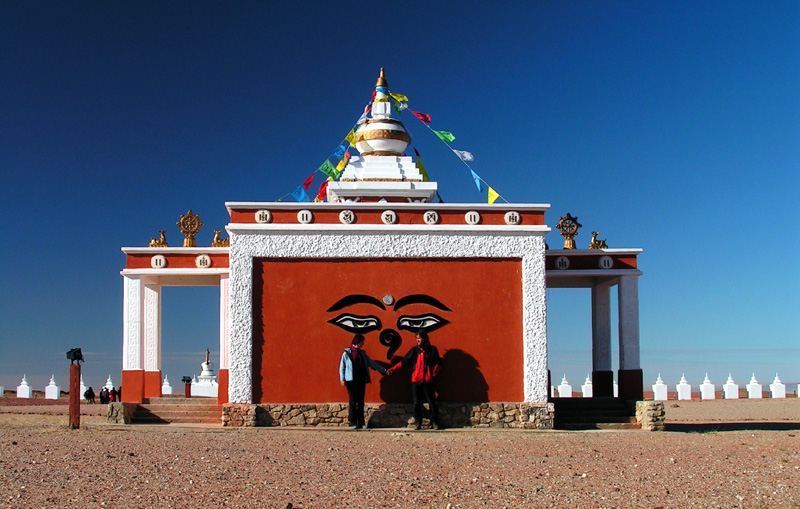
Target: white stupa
[
  {"x": 660, "y": 392},
  {"x": 381, "y": 172},
  {"x": 707, "y": 390},
  {"x": 23, "y": 389},
  {"x": 52, "y": 391},
  {"x": 109, "y": 384},
  {"x": 564, "y": 388},
  {"x": 754, "y": 388},
  {"x": 731, "y": 388},
  {"x": 586, "y": 389},
  {"x": 683, "y": 389},
  {"x": 166, "y": 388},
  {"x": 777, "y": 388},
  {"x": 83, "y": 388},
  {"x": 206, "y": 384}
]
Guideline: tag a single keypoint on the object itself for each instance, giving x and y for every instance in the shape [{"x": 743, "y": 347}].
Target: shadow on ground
[{"x": 708, "y": 427}]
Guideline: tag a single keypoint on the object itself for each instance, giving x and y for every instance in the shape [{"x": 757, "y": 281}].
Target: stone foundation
[
  {"x": 451, "y": 415},
  {"x": 651, "y": 415},
  {"x": 121, "y": 413}
]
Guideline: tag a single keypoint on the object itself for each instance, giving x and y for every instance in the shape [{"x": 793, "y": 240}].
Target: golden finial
[
  {"x": 190, "y": 224},
  {"x": 569, "y": 228},
  {"x": 381, "y": 80}
]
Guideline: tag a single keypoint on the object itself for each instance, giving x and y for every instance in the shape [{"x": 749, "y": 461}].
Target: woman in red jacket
[{"x": 426, "y": 364}]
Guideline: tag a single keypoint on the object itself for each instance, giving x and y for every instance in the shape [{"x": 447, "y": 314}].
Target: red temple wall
[{"x": 296, "y": 351}]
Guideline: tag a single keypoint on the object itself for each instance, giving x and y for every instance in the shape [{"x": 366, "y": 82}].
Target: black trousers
[
  {"x": 355, "y": 408},
  {"x": 424, "y": 392}
]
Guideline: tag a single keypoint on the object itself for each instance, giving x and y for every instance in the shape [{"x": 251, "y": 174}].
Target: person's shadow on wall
[{"x": 460, "y": 380}]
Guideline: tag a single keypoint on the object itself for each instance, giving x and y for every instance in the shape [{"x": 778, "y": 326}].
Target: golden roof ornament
[
  {"x": 159, "y": 242},
  {"x": 597, "y": 244},
  {"x": 569, "y": 227},
  {"x": 381, "y": 80},
  {"x": 218, "y": 242},
  {"x": 190, "y": 224}
]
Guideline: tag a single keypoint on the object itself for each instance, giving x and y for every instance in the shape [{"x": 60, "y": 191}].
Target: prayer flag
[
  {"x": 493, "y": 196},
  {"x": 339, "y": 152},
  {"x": 422, "y": 116},
  {"x": 424, "y": 173},
  {"x": 309, "y": 180},
  {"x": 341, "y": 165},
  {"x": 382, "y": 90},
  {"x": 351, "y": 138},
  {"x": 323, "y": 191},
  {"x": 299, "y": 194},
  {"x": 464, "y": 155},
  {"x": 477, "y": 180},
  {"x": 445, "y": 136},
  {"x": 399, "y": 97},
  {"x": 328, "y": 169}
]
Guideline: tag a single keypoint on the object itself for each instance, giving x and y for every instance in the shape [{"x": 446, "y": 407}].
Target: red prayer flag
[
  {"x": 323, "y": 191},
  {"x": 425, "y": 118},
  {"x": 308, "y": 181}
]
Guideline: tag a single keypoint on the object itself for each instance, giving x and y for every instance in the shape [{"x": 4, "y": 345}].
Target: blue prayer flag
[
  {"x": 477, "y": 180},
  {"x": 300, "y": 194}
]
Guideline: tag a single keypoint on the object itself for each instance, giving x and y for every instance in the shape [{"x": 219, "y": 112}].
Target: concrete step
[{"x": 191, "y": 410}]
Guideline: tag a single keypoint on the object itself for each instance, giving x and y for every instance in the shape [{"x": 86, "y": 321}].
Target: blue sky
[{"x": 669, "y": 126}]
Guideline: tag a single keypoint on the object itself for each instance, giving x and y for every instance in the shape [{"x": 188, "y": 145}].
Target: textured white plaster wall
[{"x": 246, "y": 245}]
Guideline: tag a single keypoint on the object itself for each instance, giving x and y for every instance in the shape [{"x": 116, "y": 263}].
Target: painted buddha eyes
[
  {"x": 428, "y": 323},
  {"x": 362, "y": 324},
  {"x": 356, "y": 324}
]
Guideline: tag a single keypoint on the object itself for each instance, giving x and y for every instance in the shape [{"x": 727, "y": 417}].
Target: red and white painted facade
[{"x": 299, "y": 279}]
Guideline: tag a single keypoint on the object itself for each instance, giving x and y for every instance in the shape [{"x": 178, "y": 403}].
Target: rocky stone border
[
  {"x": 452, "y": 415},
  {"x": 121, "y": 413},
  {"x": 650, "y": 415}
]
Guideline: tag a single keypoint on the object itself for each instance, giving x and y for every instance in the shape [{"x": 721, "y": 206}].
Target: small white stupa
[
  {"x": 206, "y": 384},
  {"x": 586, "y": 389},
  {"x": 564, "y": 388},
  {"x": 731, "y": 388},
  {"x": 777, "y": 388},
  {"x": 754, "y": 388},
  {"x": 166, "y": 388},
  {"x": 707, "y": 389},
  {"x": 660, "y": 390},
  {"x": 109, "y": 384},
  {"x": 83, "y": 388},
  {"x": 23, "y": 389},
  {"x": 52, "y": 391},
  {"x": 683, "y": 389}
]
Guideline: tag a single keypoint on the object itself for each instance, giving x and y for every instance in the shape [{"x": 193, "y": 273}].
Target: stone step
[
  {"x": 165, "y": 410},
  {"x": 598, "y": 425},
  {"x": 180, "y": 400}
]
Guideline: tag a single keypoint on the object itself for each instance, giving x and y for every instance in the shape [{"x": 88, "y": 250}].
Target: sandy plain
[{"x": 742, "y": 453}]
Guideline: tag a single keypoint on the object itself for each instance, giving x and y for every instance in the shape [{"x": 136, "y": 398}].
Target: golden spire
[{"x": 381, "y": 80}]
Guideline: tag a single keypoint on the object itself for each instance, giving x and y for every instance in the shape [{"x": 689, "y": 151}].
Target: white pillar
[
  {"x": 224, "y": 344},
  {"x": 152, "y": 327},
  {"x": 601, "y": 328},
  {"x": 132, "y": 324},
  {"x": 628, "y": 296}
]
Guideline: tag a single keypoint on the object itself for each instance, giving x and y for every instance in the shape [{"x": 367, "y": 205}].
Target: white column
[
  {"x": 601, "y": 327},
  {"x": 224, "y": 344},
  {"x": 152, "y": 327},
  {"x": 628, "y": 293},
  {"x": 132, "y": 324}
]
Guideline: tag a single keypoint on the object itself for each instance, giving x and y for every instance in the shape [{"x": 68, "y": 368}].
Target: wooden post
[{"x": 75, "y": 396}]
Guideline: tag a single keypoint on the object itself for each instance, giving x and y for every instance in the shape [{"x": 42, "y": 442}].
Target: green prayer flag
[
  {"x": 328, "y": 169},
  {"x": 445, "y": 136}
]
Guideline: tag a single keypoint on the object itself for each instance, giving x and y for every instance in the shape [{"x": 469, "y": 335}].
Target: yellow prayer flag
[
  {"x": 351, "y": 138},
  {"x": 399, "y": 97},
  {"x": 341, "y": 165},
  {"x": 493, "y": 195},
  {"x": 425, "y": 177}
]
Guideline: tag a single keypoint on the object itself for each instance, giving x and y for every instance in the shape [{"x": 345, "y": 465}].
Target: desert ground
[{"x": 740, "y": 453}]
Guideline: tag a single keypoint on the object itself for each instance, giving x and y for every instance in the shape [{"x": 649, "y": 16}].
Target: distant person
[
  {"x": 112, "y": 395},
  {"x": 119, "y": 394},
  {"x": 88, "y": 395},
  {"x": 104, "y": 396},
  {"x": 426, "y": 364},
  {"x": 354, "y": 375}
]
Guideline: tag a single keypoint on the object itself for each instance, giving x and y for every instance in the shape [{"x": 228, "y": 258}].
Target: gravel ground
[{"x": 757, "y": 464}]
